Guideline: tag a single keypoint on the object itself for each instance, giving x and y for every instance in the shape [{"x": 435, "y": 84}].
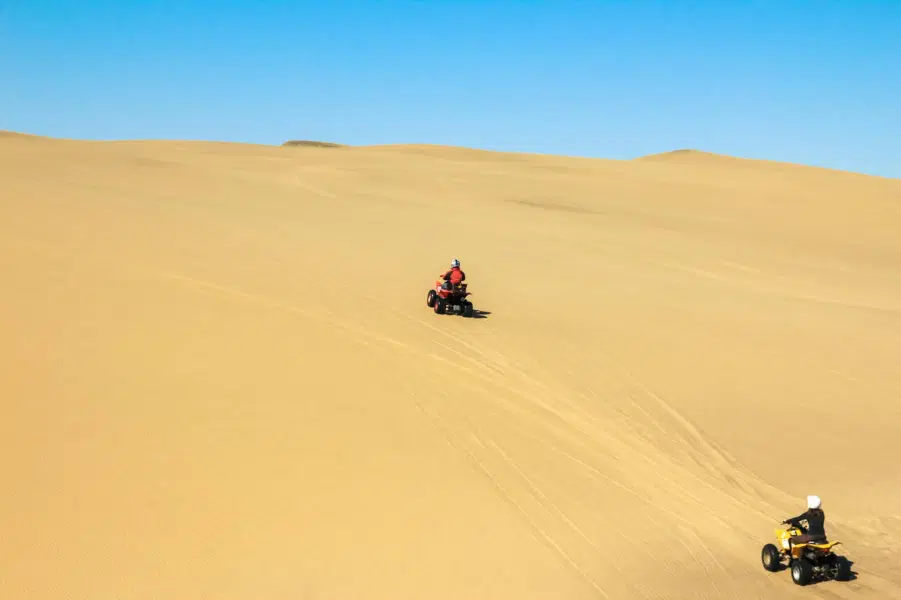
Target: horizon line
[{"x": 328, "y": 145}]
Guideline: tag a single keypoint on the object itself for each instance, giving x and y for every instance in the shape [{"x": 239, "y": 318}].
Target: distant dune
[
  {"x": 313, "y": 144},
  {"x": 25, "y": 136},
  {"x": 682, "y": 154},
  {"x": 699, "y": 157},
  {"x": 221, "y": 379}
]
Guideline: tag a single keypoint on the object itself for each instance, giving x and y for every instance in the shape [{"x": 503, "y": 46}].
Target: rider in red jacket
[{"x": 453, "y": 276}]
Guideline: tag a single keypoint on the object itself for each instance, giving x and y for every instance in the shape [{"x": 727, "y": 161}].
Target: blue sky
[{"x": 815, "y": 82}]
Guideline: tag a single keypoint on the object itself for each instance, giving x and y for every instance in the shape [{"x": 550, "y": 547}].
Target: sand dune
[
  {"x": 221, "y": 379},
  {"x": 312, "y": 144}
]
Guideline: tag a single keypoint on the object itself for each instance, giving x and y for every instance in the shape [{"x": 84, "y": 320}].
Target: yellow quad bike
[{"x": 808, "y": 561}]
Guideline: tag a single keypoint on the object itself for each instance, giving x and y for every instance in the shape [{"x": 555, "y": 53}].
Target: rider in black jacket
[{"x": 815, "y": 517}]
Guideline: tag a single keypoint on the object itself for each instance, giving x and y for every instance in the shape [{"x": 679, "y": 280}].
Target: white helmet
[
  {"x": 813, "y": 502},
  {"x": 455, "y": 263}
]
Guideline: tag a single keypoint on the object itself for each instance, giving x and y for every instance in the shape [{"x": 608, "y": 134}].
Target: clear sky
[{"x": 815, "y": 82}]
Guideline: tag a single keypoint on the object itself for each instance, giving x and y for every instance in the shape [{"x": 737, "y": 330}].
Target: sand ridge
[{"x": 221, "y": 378}]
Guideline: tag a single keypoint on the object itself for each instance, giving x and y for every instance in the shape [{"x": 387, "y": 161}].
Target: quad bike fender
[
  {"x": 784, "y": 536},
  {"x": 827, "y": 547},
  {"x": 799, "y": 550},
  {"x": 445, "y": 293}
]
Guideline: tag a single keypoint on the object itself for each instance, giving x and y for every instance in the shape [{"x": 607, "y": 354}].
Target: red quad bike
[{"x": 452, "y": 300}]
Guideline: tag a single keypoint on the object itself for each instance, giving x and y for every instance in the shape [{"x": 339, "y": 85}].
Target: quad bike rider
[
  {"x": 453, "y": 276},
  {"x": 815, "y": 517},
  {"x": 808, "y": 551}
]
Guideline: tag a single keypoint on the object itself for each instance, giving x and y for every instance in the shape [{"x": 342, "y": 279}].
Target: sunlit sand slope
[{"x": 220, "y": 378}]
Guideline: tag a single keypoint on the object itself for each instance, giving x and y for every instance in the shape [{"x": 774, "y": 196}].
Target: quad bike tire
[
  {"x": 467, "y": 310},
  {"x": 841, "y": 569},
  {"x": 769, "y": 557},
  {"x": 440, "y": 305},
  {"x": 430, "y": 298},
  {"x": 802, "y": 571}
]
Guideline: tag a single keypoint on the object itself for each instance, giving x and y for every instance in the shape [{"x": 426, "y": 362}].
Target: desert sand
[{"x": 221, "y": 379}]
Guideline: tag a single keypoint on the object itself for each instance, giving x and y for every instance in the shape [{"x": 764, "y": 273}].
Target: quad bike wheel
[
  {"x": 841, "y": 569},
  {"x": 467, "y": 310},
  {"x": 430, "y": 298},
  {"x": 440, "y": 305},
  {"x": 802, "y": 571},
  {"x": 769, "y": 556}
]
